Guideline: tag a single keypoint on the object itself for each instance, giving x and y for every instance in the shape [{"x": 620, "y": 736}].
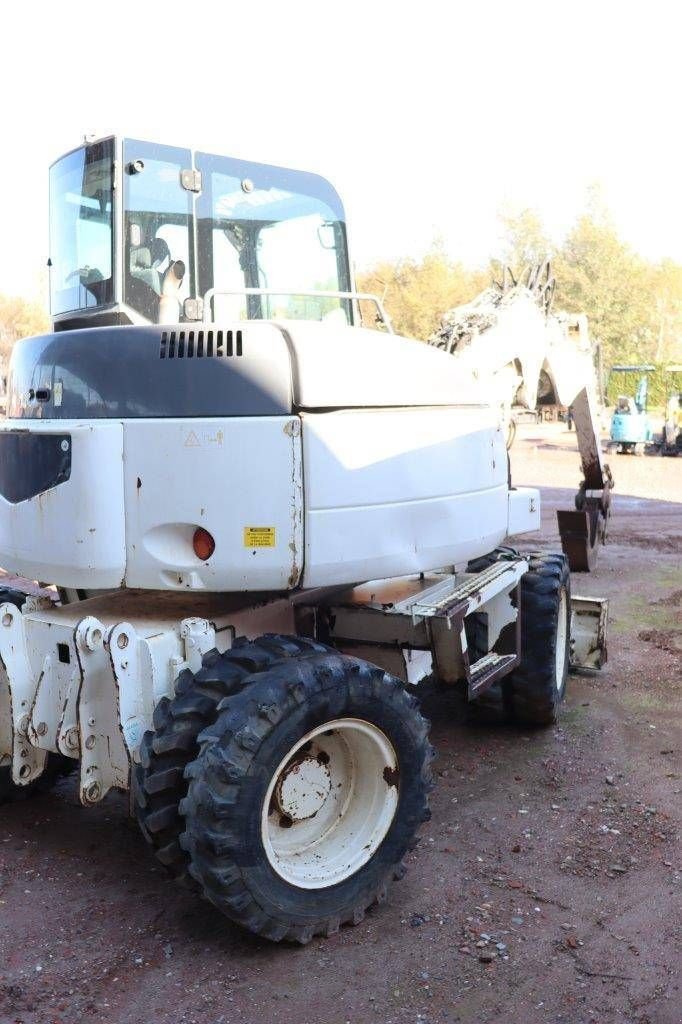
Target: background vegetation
[{"x": 19, "y": 318}]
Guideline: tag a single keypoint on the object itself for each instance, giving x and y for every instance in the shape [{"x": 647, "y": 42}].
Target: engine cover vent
[{"x": 200, "y": 344}]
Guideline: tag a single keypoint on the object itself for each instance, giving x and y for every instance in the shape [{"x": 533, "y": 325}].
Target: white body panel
[
  {"x": 72, "y": 534},
  {"x": 408, "y": 473},
  {"x": 524, "y": 510},
  {"x": 392, "y": 492},
  {"x": 337, "y": 367},
  {"x": 225, "y": 475},
  {"x": 139, "y": 489}
]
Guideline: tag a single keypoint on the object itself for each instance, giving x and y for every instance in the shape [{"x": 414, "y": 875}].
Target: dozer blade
[
  {"x": 580, "y": 538},
  {"x": 589, "y": 617}
]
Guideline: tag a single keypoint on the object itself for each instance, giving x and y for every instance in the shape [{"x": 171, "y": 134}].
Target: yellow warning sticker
[{"x": 260, "y": 537}]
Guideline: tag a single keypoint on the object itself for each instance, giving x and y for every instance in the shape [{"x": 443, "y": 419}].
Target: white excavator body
[{"x": 334, "y": 476}]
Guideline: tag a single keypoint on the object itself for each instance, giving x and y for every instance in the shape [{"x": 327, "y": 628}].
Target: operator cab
[{"x": 145, "y": 234}]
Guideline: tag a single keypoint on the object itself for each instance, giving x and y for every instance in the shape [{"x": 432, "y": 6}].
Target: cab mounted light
[{"x": 203, "y": 544}]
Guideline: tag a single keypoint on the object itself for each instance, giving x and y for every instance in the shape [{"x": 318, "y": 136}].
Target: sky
[{"x": 429, "y": 118}]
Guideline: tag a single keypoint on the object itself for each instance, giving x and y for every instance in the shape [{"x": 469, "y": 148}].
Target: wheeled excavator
[{"x": 258, "y": 524}]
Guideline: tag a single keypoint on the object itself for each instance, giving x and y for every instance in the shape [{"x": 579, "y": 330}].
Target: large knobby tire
[
  {"x": 535, "y": 689},
  {"x": 307, "y": 794},
  {"x": 159, "y": 782},
  {"x": 530, "y": 696}
]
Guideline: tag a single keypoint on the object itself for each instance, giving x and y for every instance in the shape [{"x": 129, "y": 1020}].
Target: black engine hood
[{"x": 130, "y": 372}]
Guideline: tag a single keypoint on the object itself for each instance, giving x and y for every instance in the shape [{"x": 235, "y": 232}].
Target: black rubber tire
[
  {"x": 532, "y": 693},
  {"x": 230, "y": 778},
  {"x": 158, "y": 781},
  {"x": 55, "y": 768},
  {"x": 530, "y": 696}
]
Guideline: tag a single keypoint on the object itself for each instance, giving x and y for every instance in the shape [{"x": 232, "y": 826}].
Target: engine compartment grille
[
  {"x": 152, "y": 372},
  {"x": 201, "y": 344}
]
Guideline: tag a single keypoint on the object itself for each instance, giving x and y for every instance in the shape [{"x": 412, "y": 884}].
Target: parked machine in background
[
  {"x": 670, "y": 441},
  {"x": 263, "y": 523},
  {"x": 630, "y": 425}
]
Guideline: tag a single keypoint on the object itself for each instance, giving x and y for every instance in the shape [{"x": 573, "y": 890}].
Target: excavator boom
[{"x": 509, "y": 338}]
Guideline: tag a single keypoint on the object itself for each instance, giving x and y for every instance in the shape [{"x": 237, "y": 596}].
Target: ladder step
[
  {"x": 440, "y": 599},
  {"x": 484, "y": 672}
]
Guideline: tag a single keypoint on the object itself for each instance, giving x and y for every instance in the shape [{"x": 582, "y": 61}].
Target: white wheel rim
[
  {"x": 330, "y": 803},
  {"x": 561, "y": 630}
]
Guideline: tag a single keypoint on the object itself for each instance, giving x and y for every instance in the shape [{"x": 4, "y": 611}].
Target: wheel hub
[
  {"x": 330, "y": 803},
  {"x": 303, "y": 788}
]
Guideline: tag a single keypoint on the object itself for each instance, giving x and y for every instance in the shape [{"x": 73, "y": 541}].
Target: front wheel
[
  {"x": 534, "y": 690},
  {"x": 307, "y": 793}
]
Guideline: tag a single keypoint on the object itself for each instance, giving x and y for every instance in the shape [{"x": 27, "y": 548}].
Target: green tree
[
  {"x": 667, "y": 303},
  {"x": 599, "y": 274},
  {"x": 19, "y": 318},
  {"x": 416, "y": 293},
  {"x": 634, "y": 308},
  {"x": 525, "y": 240}
]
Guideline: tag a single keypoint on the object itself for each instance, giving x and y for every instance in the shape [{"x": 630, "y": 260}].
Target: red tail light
[{"x": 203, "y": 544}]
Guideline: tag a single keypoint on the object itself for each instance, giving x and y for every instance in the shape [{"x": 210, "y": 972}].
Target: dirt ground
[{"x": 546, "y": 888}]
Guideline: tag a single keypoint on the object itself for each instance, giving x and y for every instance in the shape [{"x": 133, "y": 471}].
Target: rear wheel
[
  {"x": 159, "y": 782},
  {"x": 306, "y": 795}
]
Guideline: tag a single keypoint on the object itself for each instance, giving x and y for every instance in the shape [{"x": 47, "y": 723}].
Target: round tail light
[{"x": 203, "y": 544}]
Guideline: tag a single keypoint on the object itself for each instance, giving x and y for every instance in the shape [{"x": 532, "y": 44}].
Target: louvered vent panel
[{"x": 201, "y": 344}]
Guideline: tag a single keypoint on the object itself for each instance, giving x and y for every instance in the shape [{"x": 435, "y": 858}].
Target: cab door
[{"x": 158, "y": 218}]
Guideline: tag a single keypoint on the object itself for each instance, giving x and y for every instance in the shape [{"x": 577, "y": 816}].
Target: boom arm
[{"x": 511, "y": 327}]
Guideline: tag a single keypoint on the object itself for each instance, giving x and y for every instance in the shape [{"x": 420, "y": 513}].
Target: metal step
[
  {"x": 484, "y": 672},
  {"x": 456, "y": 592}
]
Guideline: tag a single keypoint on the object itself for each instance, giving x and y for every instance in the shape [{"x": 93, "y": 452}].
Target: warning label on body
[{"x": 259, "y": 537}]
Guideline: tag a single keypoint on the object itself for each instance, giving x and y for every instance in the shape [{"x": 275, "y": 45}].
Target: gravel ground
[{"x": 547, "y": 887}]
